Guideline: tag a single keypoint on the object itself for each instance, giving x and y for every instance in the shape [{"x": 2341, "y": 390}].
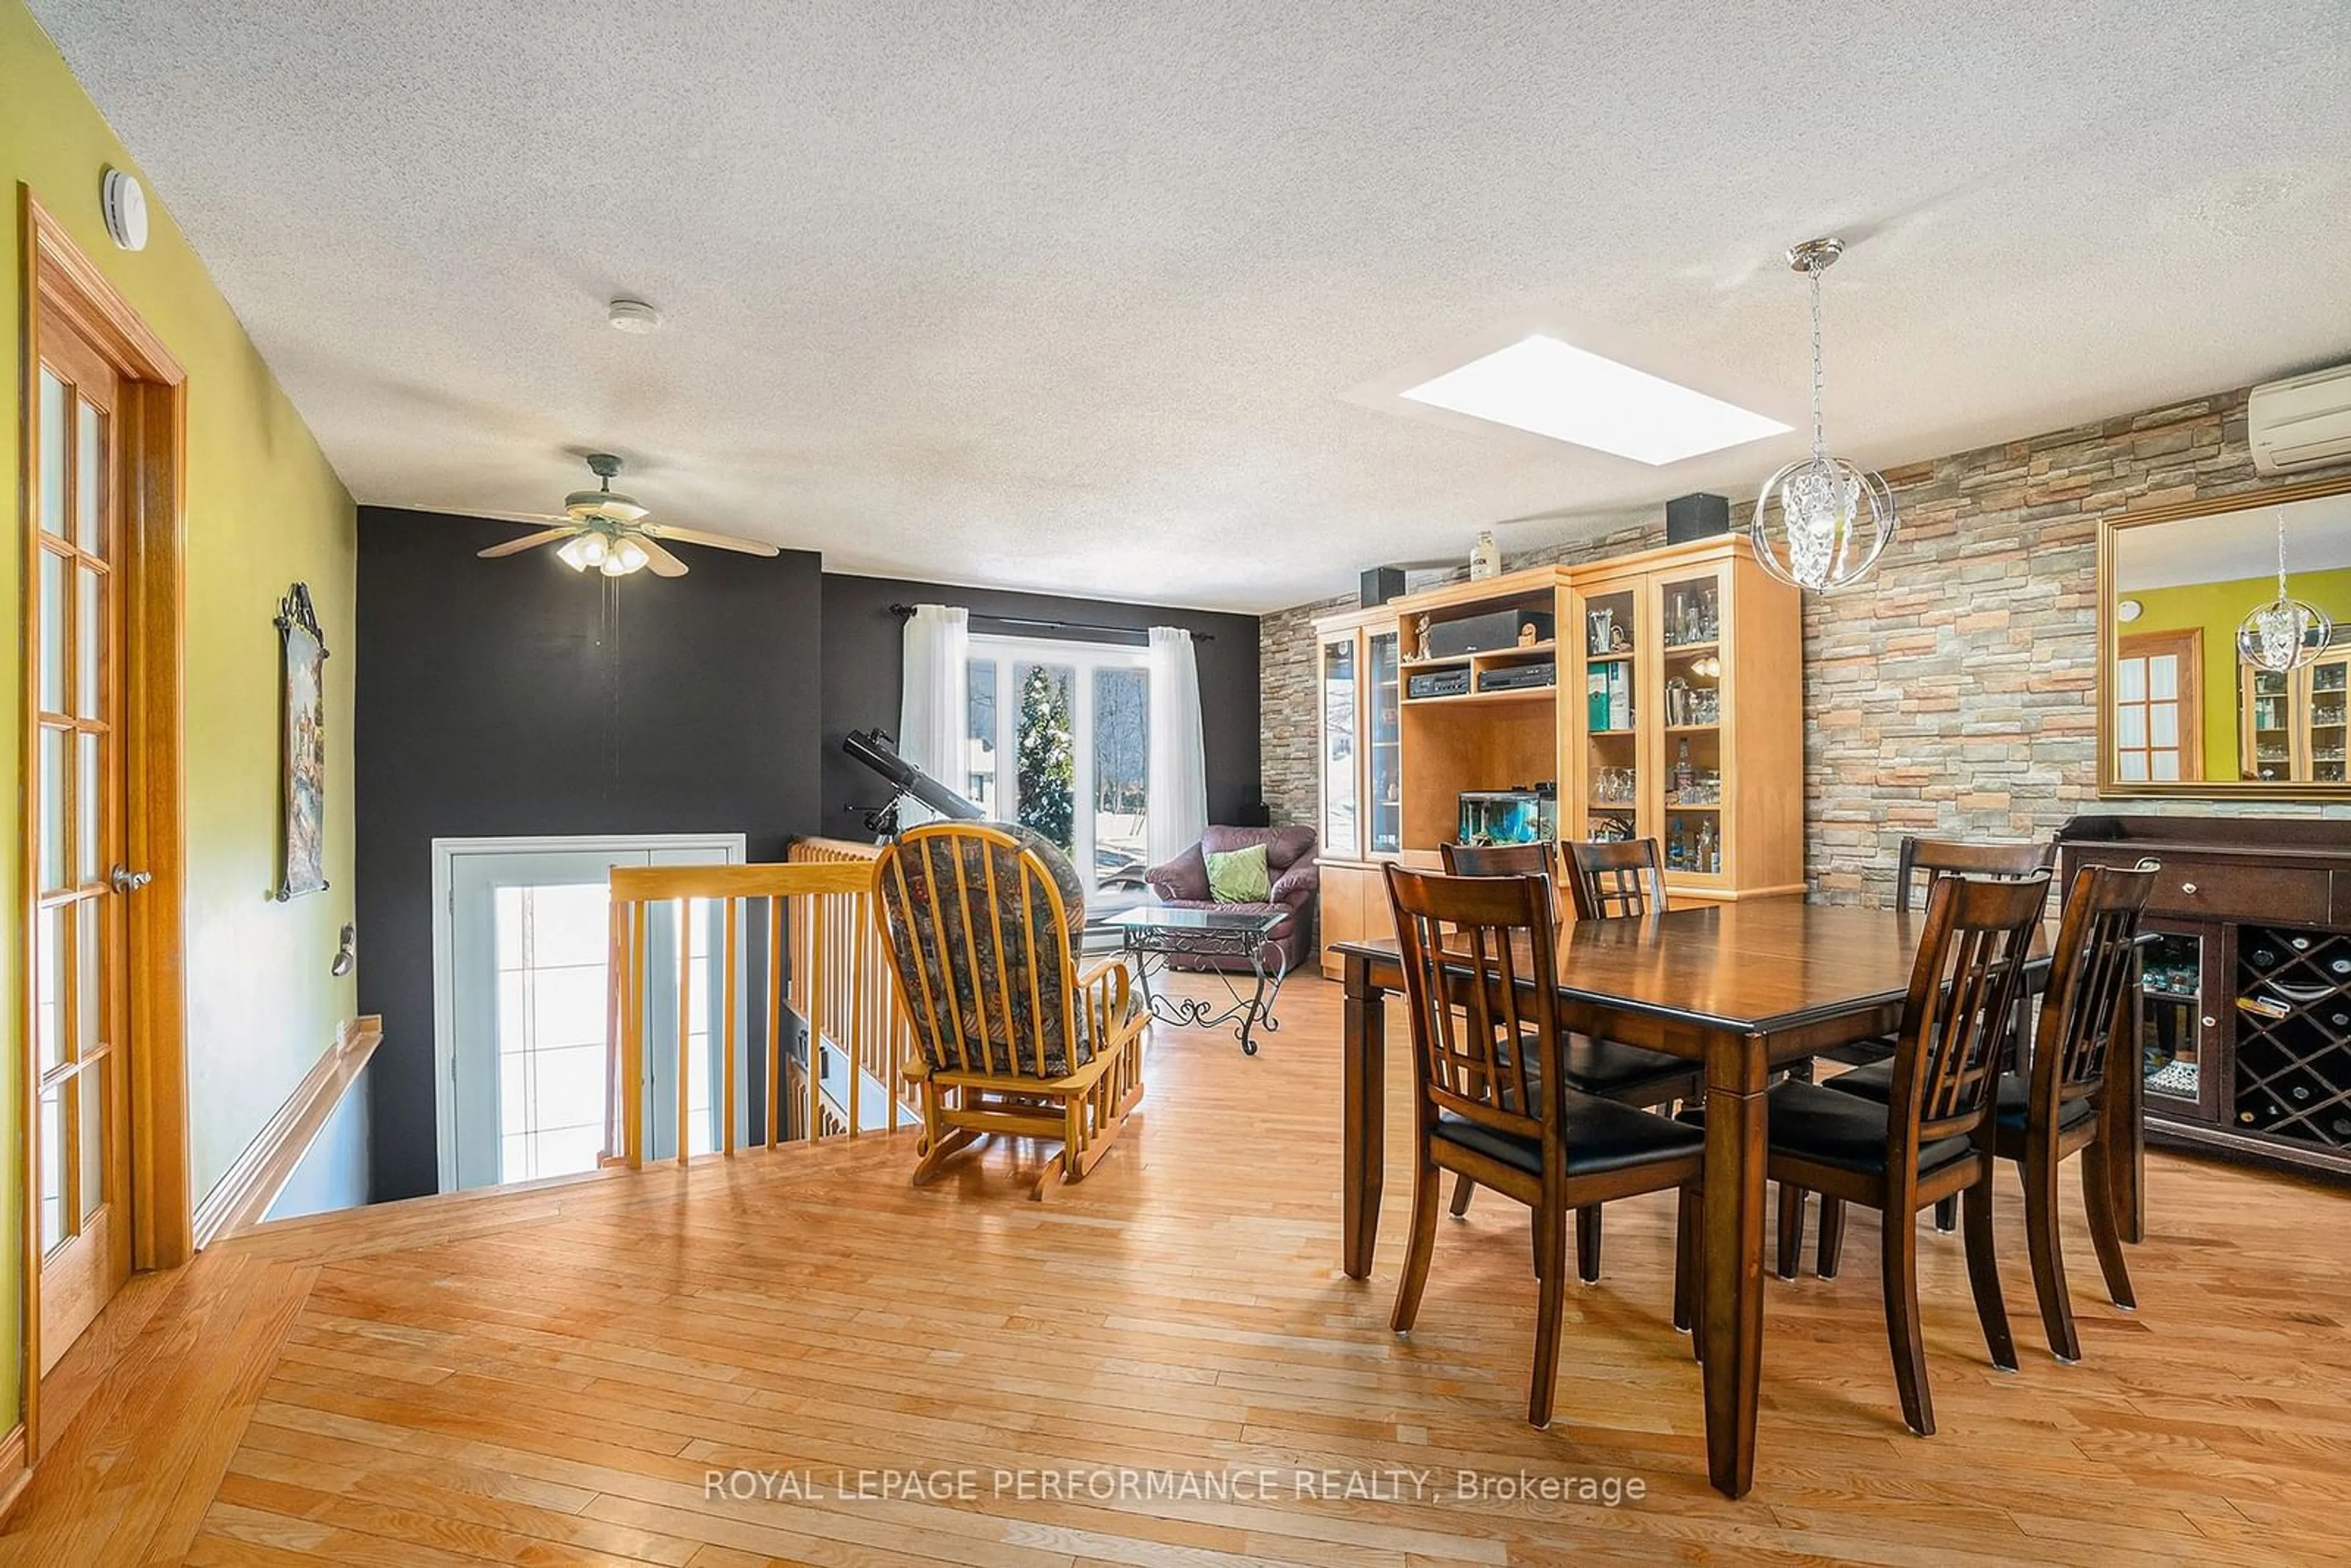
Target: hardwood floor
[{"x": 550, "y": 1375}]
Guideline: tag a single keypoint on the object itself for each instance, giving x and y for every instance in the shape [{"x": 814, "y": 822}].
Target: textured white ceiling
[{"x": 1102, "y": 298}]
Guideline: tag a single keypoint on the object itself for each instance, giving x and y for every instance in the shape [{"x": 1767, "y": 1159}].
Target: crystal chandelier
[
  {"x": 2285, "y": 634},
  {"x": 1834, "y": 518}
]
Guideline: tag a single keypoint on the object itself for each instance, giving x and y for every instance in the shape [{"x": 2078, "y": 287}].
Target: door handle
[{"x": 125, "y": 880}]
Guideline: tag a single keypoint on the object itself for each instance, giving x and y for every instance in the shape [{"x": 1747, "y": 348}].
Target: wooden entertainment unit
[{"x": 1674, "y": 710}]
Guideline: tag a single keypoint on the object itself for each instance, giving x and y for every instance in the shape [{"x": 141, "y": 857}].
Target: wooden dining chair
[
  {"x": 1504, "y": 860},
  {"x": 2052, "y": 1111},
  {"x": 1932, "y": 1138},
  {"x": 1490, "y": 1101},
  {"x": 1631, "y": 1074},
  {"x": 1917, "y": 864},
  {"x": 1615, "y": 881}
]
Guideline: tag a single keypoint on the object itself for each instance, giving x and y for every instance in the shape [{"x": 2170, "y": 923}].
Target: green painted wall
[
  {"x": 263, "y": 509},
  {"x": 2217, "y": 608}
]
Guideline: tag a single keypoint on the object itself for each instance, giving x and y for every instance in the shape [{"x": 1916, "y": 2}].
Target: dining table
[{"x": 1748, "y": 989}]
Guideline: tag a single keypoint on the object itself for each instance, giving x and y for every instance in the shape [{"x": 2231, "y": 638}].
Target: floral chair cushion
[{"x": 998, "y": 972}]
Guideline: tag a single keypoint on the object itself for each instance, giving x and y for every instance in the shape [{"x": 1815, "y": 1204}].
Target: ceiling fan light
[
  {"x": 595, "y": 548},
  {"x": 631, "y": 556},
  {"x": 574, "y": 553}
]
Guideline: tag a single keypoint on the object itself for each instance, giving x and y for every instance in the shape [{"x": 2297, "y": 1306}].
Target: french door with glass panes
[
  {"x": 79, "y": 1000},
  {"x": 2158, "y": 737}
]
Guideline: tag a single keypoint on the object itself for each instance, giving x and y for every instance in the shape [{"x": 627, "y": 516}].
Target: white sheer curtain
[
  {"x": 1178, "y": 799},
  {"x": 932, "y": 718}
]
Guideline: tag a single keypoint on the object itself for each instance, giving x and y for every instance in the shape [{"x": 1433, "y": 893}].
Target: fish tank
[{"x": 1510, "y": 816}]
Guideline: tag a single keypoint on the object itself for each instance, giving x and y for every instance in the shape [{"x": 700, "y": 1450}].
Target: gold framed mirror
[{"x": 2181, "y": 713}]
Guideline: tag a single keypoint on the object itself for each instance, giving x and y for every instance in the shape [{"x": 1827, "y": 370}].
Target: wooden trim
[
  {"x": 2109, "y": 637},
  {"x": 15, "y": 1470},
  {"x": 242, "y": 1196}
]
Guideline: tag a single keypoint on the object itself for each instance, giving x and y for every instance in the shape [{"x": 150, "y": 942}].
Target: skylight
[{"x": 1552, "y": 388}]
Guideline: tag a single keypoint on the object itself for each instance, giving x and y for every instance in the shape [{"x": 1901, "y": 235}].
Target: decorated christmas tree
[{"x": 1047, "y": 768}]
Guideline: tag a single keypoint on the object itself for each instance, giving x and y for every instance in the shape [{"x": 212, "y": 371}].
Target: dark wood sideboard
[{"x": 2247, "y": 1037}]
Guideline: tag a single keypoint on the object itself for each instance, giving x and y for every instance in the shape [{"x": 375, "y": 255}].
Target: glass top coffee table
[{"x": 1155, "y": 933}]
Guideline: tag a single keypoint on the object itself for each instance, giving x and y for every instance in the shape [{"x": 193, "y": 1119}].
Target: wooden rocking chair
[{"x": 981, "y": 921}]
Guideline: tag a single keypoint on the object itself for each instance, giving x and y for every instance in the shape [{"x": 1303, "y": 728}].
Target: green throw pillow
[{"x": 1239, "y": 876}]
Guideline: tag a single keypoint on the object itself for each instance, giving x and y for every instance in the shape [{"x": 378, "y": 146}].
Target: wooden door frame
[
  {"x": 59, "y": 282},
  {"x": 2189, "y": 643}
]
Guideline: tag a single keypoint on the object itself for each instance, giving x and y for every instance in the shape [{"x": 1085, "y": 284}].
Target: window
[
  {"x": 1061, "y": 742},
  {"x": 551, "y": 950},
  {"x": 979, "y": 771}
]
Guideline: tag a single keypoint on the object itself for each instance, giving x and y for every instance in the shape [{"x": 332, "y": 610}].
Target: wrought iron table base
[{"x": 1247, "y": 1014}]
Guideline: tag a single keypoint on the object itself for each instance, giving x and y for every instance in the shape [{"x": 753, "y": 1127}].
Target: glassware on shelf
[
  {"x": 1702, "y": 787},
  {"x": 1616, "y": 786},
  {"x": 1678, "y": 849},
  {"x": 1691, "y": 616},
  {"x": 1684, "y": 776},
  {"x": 2171, "y": 977}
]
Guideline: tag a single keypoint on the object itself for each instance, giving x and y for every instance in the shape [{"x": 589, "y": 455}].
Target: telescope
[{"x": 880, "y": 753}]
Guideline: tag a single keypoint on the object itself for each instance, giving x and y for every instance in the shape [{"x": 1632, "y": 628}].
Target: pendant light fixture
[
  {"x": 1821, "y": 523},
  {"x": 2285, "y": 634}
]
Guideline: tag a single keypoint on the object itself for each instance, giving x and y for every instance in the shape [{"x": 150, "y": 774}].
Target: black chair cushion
[
  {"x": 1862, "y": 1052},
  {"x": 1627, "y": 1075},
  {"x": 1842, "y": 1130},
  {"x": 2015, "y": 1094},
  {"x": 1615, "y": 1072},
  {"x": 1874, "y": 1081},
  {"x": 1600, "y": 1134}
]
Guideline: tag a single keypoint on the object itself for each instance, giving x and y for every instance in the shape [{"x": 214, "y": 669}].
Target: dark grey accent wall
[
  {"x": 334, "y": 1171},
  {"x": 863, "y": 661},
  {"x": 518, "y": 697}
]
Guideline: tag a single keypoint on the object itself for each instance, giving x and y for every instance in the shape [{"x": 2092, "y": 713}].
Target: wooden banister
[{"x": 821, "y": 960}]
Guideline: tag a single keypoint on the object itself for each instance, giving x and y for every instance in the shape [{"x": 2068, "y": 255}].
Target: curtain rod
[{"x": 904, "y": 610}]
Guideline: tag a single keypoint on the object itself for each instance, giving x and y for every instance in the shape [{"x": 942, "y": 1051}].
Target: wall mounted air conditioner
[{"x": 2301, "y": 424}]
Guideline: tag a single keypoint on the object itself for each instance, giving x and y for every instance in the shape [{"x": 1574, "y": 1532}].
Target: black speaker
[
  {"x": 1484, "y": 633},
  {"x": 1380, "y": 584},
  {"x": 1698, "y": 517}
]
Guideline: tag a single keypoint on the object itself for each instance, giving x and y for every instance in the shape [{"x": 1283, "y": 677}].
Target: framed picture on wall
[{"x": 304, "y": 804}]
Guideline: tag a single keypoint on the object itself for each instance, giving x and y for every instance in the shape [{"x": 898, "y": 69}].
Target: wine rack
[{"x": 2293, "y": 1034}]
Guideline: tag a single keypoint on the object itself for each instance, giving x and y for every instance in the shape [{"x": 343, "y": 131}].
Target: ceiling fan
[{"x": 606, "y": 531}]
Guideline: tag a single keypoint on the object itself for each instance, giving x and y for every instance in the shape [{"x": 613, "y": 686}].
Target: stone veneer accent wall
[{"x": 1954, "y": 695}]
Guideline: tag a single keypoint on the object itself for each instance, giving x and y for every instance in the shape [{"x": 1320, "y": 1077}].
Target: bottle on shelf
[
  {"x": 1684, "y": 776},
  {"x": 1676, "y": 847},
  {"x": 1709, "y": 850}
]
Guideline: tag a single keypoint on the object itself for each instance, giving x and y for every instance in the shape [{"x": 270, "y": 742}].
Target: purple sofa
[{"x": 1290, "y": 865}]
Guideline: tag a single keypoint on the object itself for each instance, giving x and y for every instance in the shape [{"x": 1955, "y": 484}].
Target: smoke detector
[
  {"x": 633, "y": 317},
  {"x": 125, "y": 205}
]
